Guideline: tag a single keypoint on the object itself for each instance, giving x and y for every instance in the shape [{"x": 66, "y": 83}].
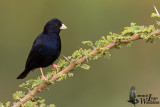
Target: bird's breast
[{"x": 52, "y": 46}]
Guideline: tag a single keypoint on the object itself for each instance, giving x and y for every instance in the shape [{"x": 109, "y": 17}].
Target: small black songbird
[
  {"x": 132, "y": 96},
  {"x": 46, "y": 48}
]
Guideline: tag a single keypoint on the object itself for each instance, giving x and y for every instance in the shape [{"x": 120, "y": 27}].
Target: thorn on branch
[
  {"x": 156, "y": 10},
  {"x": 21, "y": 102},
  {"x": 66, "y": 58}
]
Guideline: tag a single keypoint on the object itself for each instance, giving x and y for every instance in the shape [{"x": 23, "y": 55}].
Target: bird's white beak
[{"x": 63, "y": 27}]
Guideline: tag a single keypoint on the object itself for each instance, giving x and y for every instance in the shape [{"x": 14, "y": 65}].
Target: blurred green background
[{"x": 107, "y": 83}]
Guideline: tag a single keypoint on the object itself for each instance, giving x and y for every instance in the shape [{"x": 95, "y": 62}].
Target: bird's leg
[
  {"x": 43, "y": 77},
  {"x": 55, "y": 67}
]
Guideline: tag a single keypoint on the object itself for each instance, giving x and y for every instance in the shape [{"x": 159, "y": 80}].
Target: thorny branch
[{"x": 72, "y": 65}]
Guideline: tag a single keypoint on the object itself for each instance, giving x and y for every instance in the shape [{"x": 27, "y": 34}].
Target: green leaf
[
  {"x": 8, "y": 104},
  {"x": 1, "y": 104},
  {"x": 155, "y": 15},
  {"x": 37, "y": 82},
  {"x": 62, "y": 76},
  {"x": 18, "y": 95},
  {"x": 70, "y": 74},
  {"x": 50, "y": 82},
  {"x": 89, "y": 43},
  {"x": 85, "y": 66},
  {"x": 51, "y": 105}
]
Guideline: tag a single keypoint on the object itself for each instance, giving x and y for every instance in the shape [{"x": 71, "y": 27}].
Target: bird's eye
[{"x": 56, "y": 25}]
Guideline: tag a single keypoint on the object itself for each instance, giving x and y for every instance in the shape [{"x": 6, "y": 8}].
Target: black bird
[
  {"x": 132, "y": 96},
  {"x": 46, "y": 48}
]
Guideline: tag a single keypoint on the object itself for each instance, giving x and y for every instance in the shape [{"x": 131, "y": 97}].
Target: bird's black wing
[
  {"x": 31, "y": 57},
  {"x": 35, "y": 48}
]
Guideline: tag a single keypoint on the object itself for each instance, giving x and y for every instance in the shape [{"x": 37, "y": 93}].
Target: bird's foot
[
  {"x": 44, "y": 78},
  {"x": 56, "y": 67}
]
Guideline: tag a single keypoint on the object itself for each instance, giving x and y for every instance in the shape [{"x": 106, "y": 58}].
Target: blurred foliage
[{"x": 145, "y": 32}]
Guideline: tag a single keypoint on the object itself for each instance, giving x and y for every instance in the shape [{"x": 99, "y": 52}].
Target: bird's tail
[{"x": 23, "y": 74}]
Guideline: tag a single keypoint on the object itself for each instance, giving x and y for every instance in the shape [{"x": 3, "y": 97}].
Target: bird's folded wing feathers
[{"x": 35, "y": 48}]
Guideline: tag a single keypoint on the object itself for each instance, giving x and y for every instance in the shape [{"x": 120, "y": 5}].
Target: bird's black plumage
[
  {"x": 132, "y": 96},
  {"x": 46, "y": 48}
]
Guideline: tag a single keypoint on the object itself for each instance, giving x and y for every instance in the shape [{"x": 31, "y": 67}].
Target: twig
[{"x": 35, "y": 91}]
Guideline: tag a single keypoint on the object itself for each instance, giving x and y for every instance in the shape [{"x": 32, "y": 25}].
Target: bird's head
[{"x": 54, "y": 26}]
